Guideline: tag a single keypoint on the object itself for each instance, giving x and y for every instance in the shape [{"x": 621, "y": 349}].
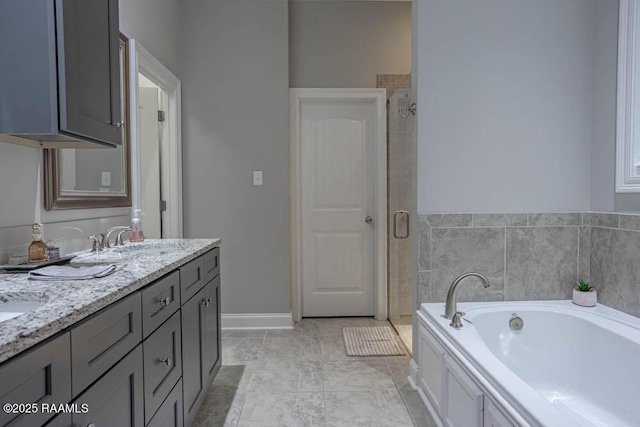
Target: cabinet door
[
  {"x": 462, "y": 402},
  {"x": 170, "y": 413},
  {"x": 211, "y": 264},
  {"x": 159, "y": 301},
  {"x": 40, "y": 375},
  {"x": 89, "y": 69},
  {"x": 191, "y": 279},
  {"x": 162, "y": 364},
  {"x": 99, "y": 342},
  {"x": 431, "y": 365},
  {"x": 193, "y": 355},
  {"x": 116, "y": 399},
  {"x": 493, "y": 417},
  {"x": 212, "y": 331}
]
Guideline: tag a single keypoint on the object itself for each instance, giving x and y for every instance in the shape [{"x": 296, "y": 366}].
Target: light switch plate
[
  {"x": 106, "y": 179},
  {"x": 257, "y": 177}
]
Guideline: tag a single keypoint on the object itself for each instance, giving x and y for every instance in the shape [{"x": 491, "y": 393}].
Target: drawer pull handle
[
  {"x": 166, "y": 361},
  {"x": 165, "y": 301}
]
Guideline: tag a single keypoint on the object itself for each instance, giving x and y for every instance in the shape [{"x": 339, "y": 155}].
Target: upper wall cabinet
[
  {"x": 628, "y": 114},
  {"x": 60, "y": 75}
]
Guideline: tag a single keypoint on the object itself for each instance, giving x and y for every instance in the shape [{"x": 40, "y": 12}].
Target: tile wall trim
[{"x": 622, "y": 221}]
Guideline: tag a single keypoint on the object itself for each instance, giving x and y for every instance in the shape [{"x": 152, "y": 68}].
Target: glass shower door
[{"x": 400, "y": 201}]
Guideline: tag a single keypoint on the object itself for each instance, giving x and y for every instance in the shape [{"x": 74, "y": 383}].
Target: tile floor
[{"x": 302, "y": 377}]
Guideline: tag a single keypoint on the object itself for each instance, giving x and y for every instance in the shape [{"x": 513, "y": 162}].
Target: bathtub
[{"x": 567, "y": 366}]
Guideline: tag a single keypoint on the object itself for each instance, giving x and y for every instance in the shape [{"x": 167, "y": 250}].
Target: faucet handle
[
  {"x": 97, "y": 242},
  {"x": 456, "y": 321}
]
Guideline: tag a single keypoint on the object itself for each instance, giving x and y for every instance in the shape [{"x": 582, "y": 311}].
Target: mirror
[
  {"x": 628, "y": 126},
  {"x": 92, "y": 178}
]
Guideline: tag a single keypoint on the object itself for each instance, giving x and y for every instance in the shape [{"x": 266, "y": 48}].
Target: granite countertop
[{"x": 67, "y": 302}]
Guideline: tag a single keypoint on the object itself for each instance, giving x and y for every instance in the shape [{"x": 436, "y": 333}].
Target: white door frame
[
  {"x": 141, "y": 61},
  {"x": 378, "y": 98}
]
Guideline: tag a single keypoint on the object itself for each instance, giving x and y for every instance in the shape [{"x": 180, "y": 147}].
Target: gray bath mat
[{"x": 371, "y": 341}]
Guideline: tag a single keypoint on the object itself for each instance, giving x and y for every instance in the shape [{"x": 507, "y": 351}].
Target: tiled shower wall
[{"x": 535, "y": 256}]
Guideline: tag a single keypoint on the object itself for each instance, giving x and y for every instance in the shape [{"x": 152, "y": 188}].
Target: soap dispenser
[
  {"x": 38, "y": 250},
  {"x": 136, "y": 234}
]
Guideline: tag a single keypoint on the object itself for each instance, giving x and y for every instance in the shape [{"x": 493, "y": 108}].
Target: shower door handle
[{"x": 399, "y": 218}]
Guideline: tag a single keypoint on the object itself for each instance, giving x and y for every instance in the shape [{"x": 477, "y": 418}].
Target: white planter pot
[{"x": 585, "y": 299}]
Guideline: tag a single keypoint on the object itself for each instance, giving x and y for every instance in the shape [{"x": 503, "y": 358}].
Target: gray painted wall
[
  {"x": 235, "y": 120},
  {"x": 603, "y": 148},
  {"x": 346, "y": 43},
  {"x": 505, "y": 105},
  {"x": 156, "y": 25}
]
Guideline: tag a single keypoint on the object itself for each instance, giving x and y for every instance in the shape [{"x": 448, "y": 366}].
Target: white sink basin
[
  {"x": 14, "y": 305},
  {"x": 9, "y": 310}
]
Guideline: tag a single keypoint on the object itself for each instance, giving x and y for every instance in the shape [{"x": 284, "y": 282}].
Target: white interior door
[
  {"x": 150, "y": 162},
  {"x": 338, "y": 143}
]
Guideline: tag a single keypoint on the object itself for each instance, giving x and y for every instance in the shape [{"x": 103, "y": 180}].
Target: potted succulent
[{"x": 584, "y": 294}]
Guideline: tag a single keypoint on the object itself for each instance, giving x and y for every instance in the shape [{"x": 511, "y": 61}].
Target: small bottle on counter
[
  {"x": 136, "y": 234},
  {"x": 38, "y": 250},
  {"x": 53, "y": 250}
]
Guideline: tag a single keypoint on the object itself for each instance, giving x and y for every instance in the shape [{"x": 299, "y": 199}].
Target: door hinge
[
  {"x": 161, "y": 116},
  {"x": 163, "y": 205}
]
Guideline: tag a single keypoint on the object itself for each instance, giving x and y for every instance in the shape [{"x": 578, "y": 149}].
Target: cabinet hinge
[
  {"x": 161, "y": 116},
  {"x": 163, "y": 205}
]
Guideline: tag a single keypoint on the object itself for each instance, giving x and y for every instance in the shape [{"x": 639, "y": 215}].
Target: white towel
[{"x": 65, "y": 272}]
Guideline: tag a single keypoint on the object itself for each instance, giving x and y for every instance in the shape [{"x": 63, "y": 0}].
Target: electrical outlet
[
  {"x": 257, "y": 177},
  {"x": 106, "y": 179}
]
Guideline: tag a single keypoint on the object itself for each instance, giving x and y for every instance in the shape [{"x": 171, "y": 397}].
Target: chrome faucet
[
  {"x": 119, "y": 241},
  {"x": 107, "y": 235},
  {"x": 450, "y": 308}
]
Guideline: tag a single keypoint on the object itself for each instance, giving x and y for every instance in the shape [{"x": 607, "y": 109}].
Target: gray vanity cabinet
[
  {"x": 143, "y": 360},
  {"x": 117, "y": 399},
  {"x": 193, "y": 353},
  {"x": 40, "y": 375},
  {"x": 61, "y": 84}
]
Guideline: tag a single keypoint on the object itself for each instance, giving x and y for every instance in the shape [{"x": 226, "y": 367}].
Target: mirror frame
[
  {"x": 627, "y": 180},
  {"x": 55, "y": 200}
]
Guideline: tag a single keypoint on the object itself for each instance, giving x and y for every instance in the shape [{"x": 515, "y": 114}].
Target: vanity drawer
[
  {"x": 40, "y": 375},
  {"x": 162, "y": 364},
  {"x": 211, "y": 264},
  {"x": 104, "y": 339},
  {"x": 159, "y": 301},
  {"x": 191, "y": 279},
  {"x": 170, "y": 413}
]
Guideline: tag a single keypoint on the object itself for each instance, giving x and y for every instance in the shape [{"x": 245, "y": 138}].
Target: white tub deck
[{"x": 567, "y": 366}]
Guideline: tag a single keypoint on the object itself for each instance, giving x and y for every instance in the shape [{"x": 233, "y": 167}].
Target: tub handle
[{"x": 456, "y": 321}]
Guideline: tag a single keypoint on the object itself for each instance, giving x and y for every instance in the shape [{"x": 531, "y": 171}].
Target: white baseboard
[
  {"x": 257, "y": 321},
  {"x": 413, "y": 374}
]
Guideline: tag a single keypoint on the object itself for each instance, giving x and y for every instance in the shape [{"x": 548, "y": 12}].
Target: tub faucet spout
[{"x": 451, "y": 304}]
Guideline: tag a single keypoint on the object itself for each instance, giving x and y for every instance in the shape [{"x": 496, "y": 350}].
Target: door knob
[{"x": 369, "y": 219}]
